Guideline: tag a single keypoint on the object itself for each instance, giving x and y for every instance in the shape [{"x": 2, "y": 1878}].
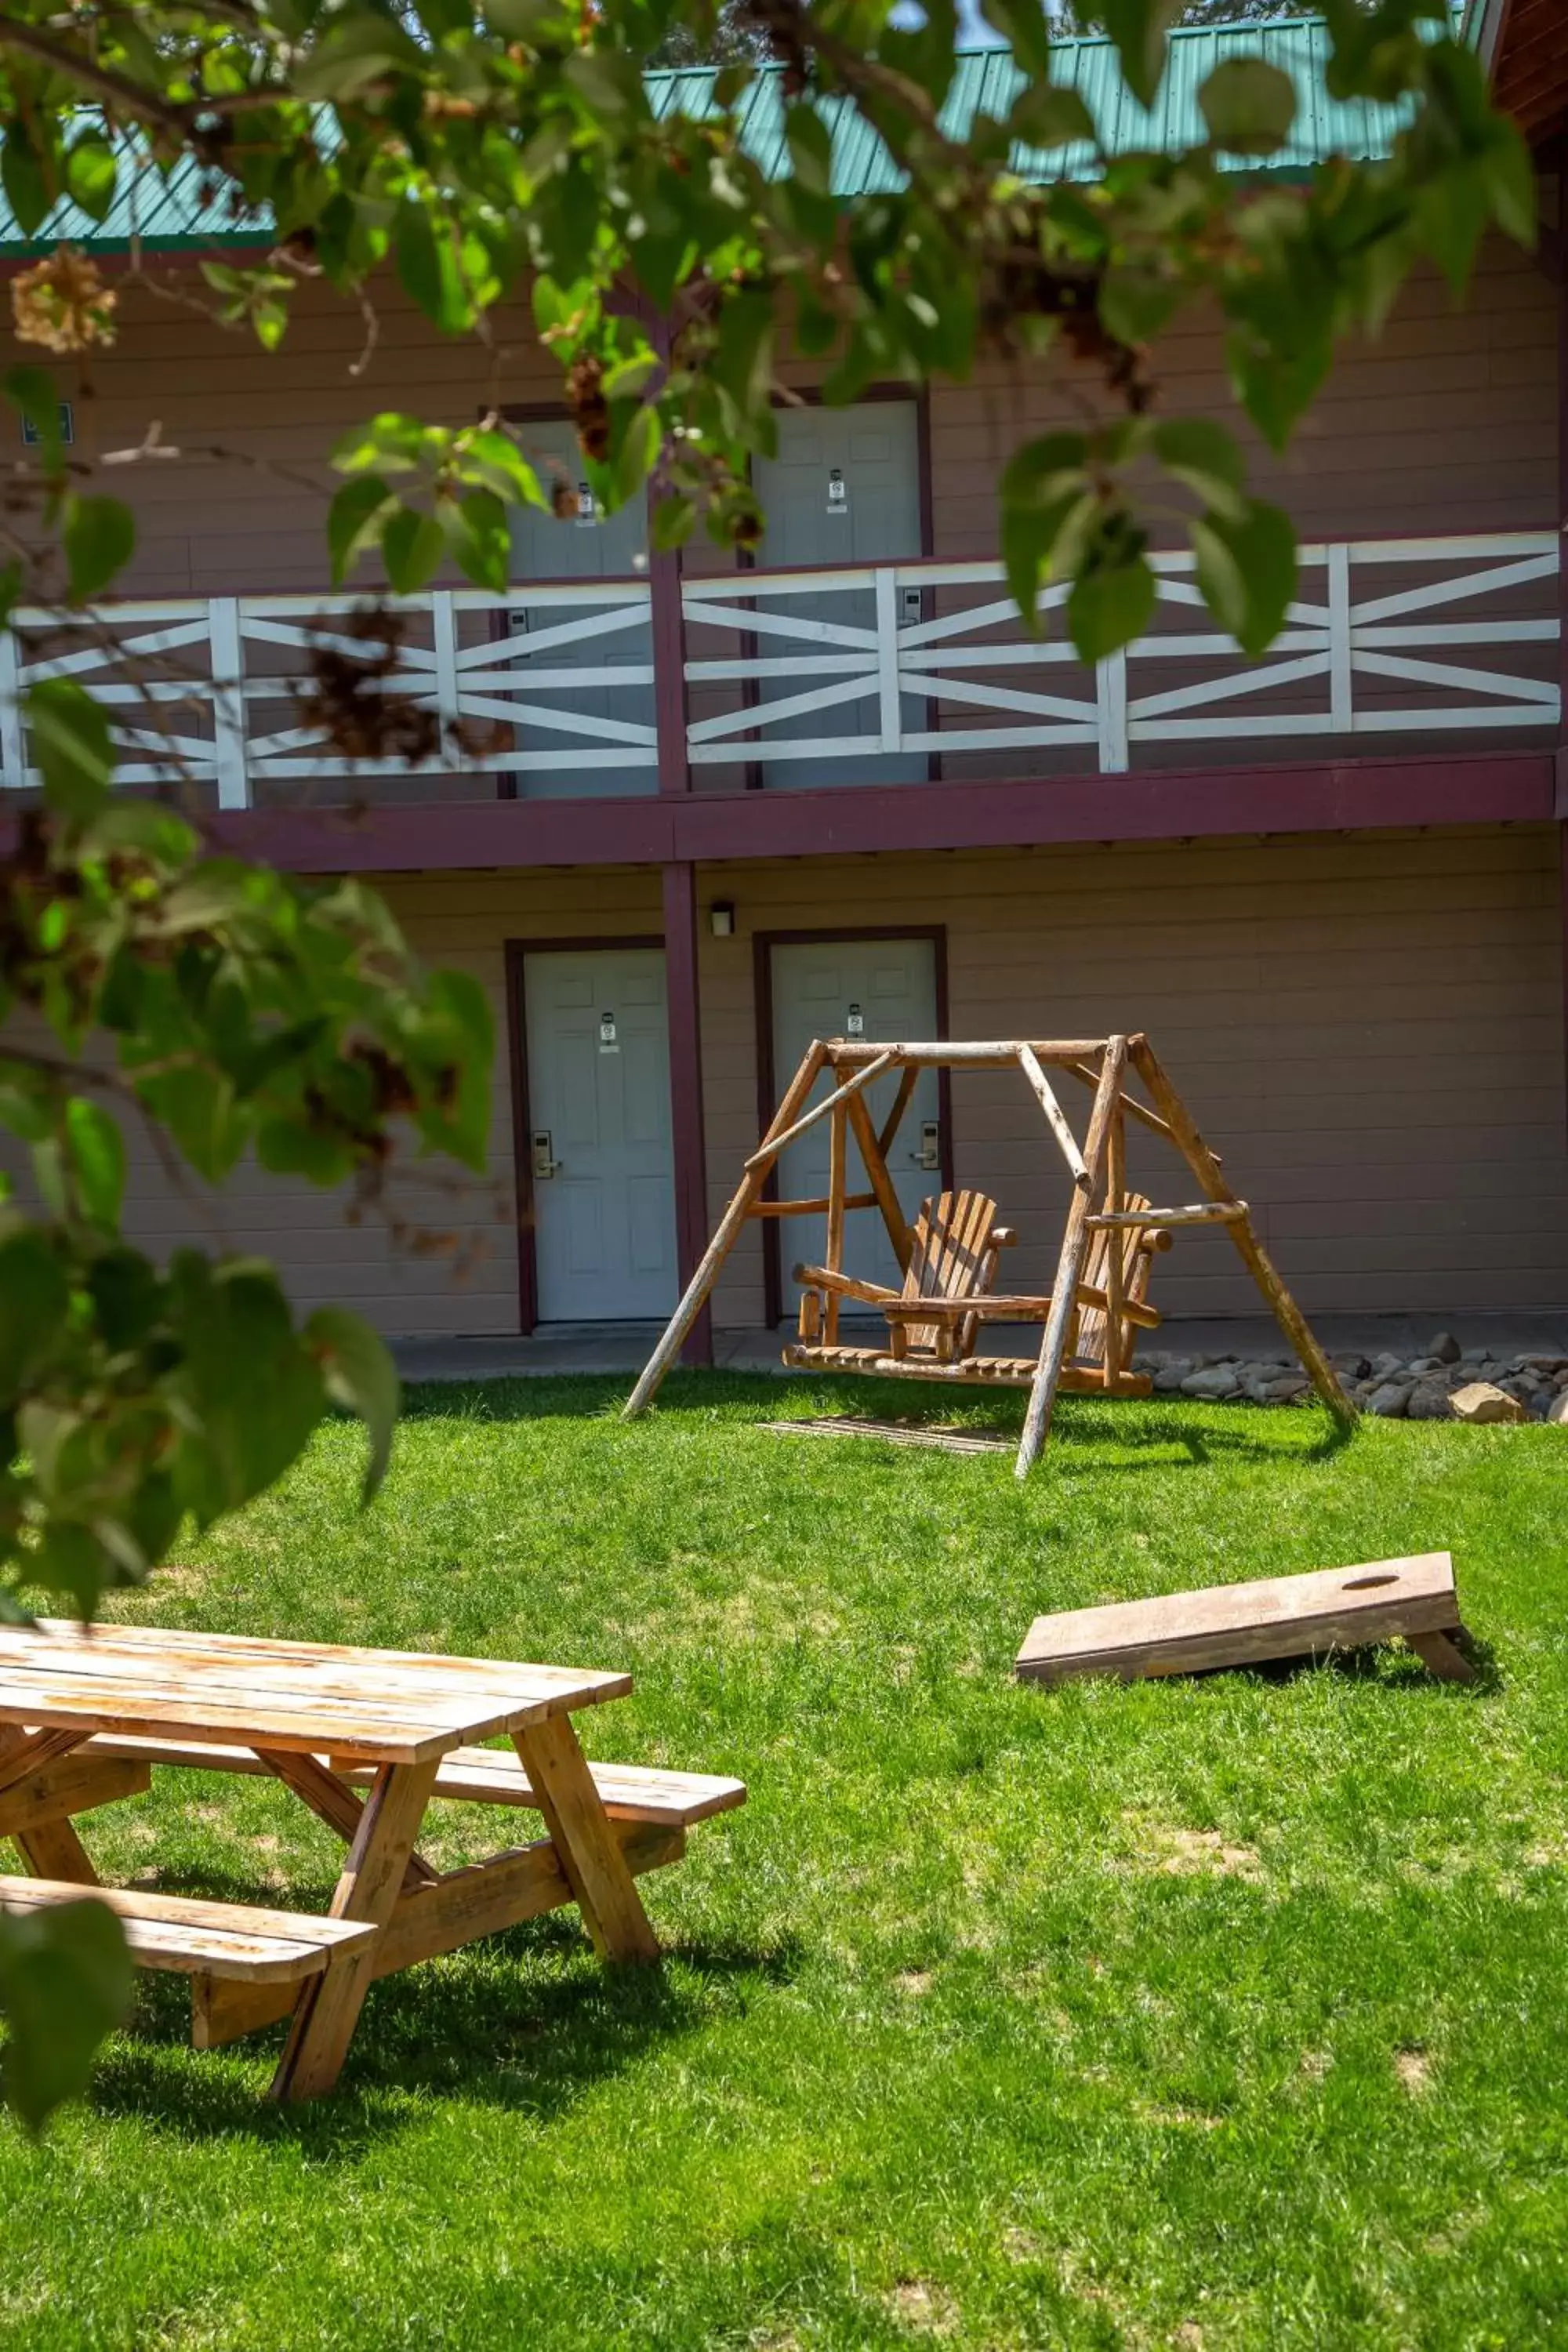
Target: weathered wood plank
[
  {"x": 190, "y": 1936},
  {"x": 1241, "y": 1624}
]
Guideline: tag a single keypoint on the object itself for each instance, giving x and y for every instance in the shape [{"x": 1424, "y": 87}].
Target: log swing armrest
[
  {"x": 996, "y": 1307},
  {"x": 844, "y": 1285}
]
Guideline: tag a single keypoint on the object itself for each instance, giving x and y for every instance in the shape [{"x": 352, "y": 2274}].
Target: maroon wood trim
[
  {"x": 857, "y": 820},
  {"x": 516, "y": 951},
  {"x": 762, "y": 946},
  {"x": 683, "y": 1013},
  {"x": 668, "y": 632}
]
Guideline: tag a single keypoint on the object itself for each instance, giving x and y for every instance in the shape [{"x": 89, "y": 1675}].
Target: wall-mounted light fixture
[
  {"x": 722, "y": 918},
  {"x": 837, "y": 492}
]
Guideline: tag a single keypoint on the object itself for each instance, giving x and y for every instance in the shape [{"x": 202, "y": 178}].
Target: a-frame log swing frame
[{"x": 1099, "y": 1200}]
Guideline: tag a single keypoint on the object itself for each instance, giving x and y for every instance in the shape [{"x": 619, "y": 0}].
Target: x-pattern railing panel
[
  {"x": 488, "y": 668},
  {"x": 1385, "y": 636},
  {"x": 967, "y": 660}
]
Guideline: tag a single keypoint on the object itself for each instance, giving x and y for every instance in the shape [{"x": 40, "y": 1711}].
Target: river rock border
[{"x": 1395, "y": 1388}]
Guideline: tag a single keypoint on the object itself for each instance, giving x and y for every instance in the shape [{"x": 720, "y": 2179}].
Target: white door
[
  {"x": 598, "y": 1140},
  {"x": 873, "y": 449},
  {"x": 581, "y": 546},
  {"x": 824, "y": 989}
]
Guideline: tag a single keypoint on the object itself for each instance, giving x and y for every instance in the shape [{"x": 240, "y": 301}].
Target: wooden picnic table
[{"x": 87, "y": 1713}]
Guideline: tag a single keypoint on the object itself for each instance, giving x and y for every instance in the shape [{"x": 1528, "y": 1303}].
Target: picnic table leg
[
  {"x": 53, "y": 1849},
  {"x": 328, "y": 2005},
  {"x": 590, "y": 1851}
]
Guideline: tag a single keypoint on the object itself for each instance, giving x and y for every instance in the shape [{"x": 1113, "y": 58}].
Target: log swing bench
[{"x": 1099, "y": 1300}]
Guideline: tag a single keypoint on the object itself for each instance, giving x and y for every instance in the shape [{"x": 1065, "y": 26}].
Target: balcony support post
[
  {"x": 684, "y": 1015},
  {"x": 228, "y": 703}
]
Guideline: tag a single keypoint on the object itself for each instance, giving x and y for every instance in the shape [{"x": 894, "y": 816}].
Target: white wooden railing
[
  {"x": 930, "y": 659},
  {"x": 842, "y": 673},
  {"x": 538, "y": 681}
]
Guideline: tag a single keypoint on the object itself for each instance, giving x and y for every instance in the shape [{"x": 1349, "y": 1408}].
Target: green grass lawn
[{"x": 1224, "y": 2012}]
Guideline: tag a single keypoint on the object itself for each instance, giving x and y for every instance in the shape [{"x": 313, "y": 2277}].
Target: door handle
[
  {"x": 543, "y": 1163},
  {"x": 929, "y": 1156}
]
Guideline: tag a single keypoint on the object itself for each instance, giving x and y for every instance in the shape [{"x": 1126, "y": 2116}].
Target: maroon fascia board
[{"x": 848, "y": 820}]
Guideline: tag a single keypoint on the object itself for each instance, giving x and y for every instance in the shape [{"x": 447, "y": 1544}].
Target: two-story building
[{"x": 700, "y": 811}]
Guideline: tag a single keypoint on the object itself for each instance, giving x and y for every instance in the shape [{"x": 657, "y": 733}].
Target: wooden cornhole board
[{"x": 1240, "y": 1624}]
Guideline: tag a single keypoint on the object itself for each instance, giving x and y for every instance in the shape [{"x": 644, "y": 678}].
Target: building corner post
[{"x": 686, "y": 1092}]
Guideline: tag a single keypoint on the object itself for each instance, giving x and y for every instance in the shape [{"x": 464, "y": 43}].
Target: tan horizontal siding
[
  {"x": 1369, "y": 1031},
  {"x": 1444, "y": 424}
]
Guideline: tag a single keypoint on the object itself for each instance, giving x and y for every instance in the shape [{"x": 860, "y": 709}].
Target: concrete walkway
[{"x": 625, "y": 1347}]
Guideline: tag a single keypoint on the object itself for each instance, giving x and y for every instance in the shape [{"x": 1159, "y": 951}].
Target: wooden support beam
[
  {"x": 1029, "y": 1062},
  {"x": 331, "y": 1802},
  {"x": 1129, "y": 1103},
  {"x": 909, "y": 1079},
  {"x": 718, "y": 1248},
  {"x": 998, "y": 1054},
  {"x": 770, "y": 1148},
  {"x": 1206, "y": 1169},
  {"x": 455, "y": 1910},
  {"x": 833, "y": 1252},
  {"x": 23, "y": 1753},
  {"x": 368, "y": 1890},
  {"x": 874, "y": 1158},
  {"x": 74, "y": 1785},
  {"x": 809, "y": 1208},
  {"x": 1201, "y": 1212},
  {"x": 1116, "y": 1251},
  {"x": 584, "y": 1839},
  {"x": 1070, "y": 1264},
  {"x": 53, "y": 1849}
]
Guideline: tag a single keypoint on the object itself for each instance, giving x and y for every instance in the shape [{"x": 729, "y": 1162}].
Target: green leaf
[
  {"x": 638, "y": 452},
  {"x": 1249, "y": 106},
  {"x": 1025, "y": 26},
  {"x": 69, "y": 733},
  {"x": 810, "y": 146},
  {"x": 35, "y": 1300},
  {"x": 1042, "y": 116},
  {"x": 1111, "y": 603},
  {"x": 65, "y": 1982},
  {"x": 97, "y": 1159},
  {"x": 361, "y": 1376},
  {"x": 1138, "y": 28},
  {"x": 412, "y": 546},
  {"x": 22, "y": 176},
  {"x": 1201, "y": 455},
  {"x": 354, "y": 521},
  {"x": 1247, "y": 572},
  {"x": 478, "y": 536},
  {"x": 671, "y": 523},
  {"x": 427, "y": 267},
  {"x": 361, "y": 49},
  {"x": 34, "y": 391},
  {"x": 98, "y": 536},
  {"x": 90, "y": 173}
]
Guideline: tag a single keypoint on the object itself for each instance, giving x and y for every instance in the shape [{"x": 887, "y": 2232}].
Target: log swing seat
[{"x": 1098, "y": 1301}]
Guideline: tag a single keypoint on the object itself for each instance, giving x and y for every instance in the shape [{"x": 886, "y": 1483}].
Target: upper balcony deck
[{"x": 892, "y": 673}]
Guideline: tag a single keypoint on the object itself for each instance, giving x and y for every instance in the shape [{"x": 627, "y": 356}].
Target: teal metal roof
[
  {"x": 987, "y": 80},
  {"x": 168, "y": 213}
]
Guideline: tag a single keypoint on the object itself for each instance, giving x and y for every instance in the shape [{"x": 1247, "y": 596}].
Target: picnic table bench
[{"x": 86, "y": 1715}]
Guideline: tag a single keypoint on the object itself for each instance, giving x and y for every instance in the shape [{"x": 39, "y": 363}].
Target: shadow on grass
[
  {"x": 1080, "y": 1422},
  {"x": 480, "y": 2025}
]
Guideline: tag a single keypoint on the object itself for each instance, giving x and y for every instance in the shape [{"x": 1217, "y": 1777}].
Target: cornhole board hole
[{"x": 1242, "y": 1624}]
